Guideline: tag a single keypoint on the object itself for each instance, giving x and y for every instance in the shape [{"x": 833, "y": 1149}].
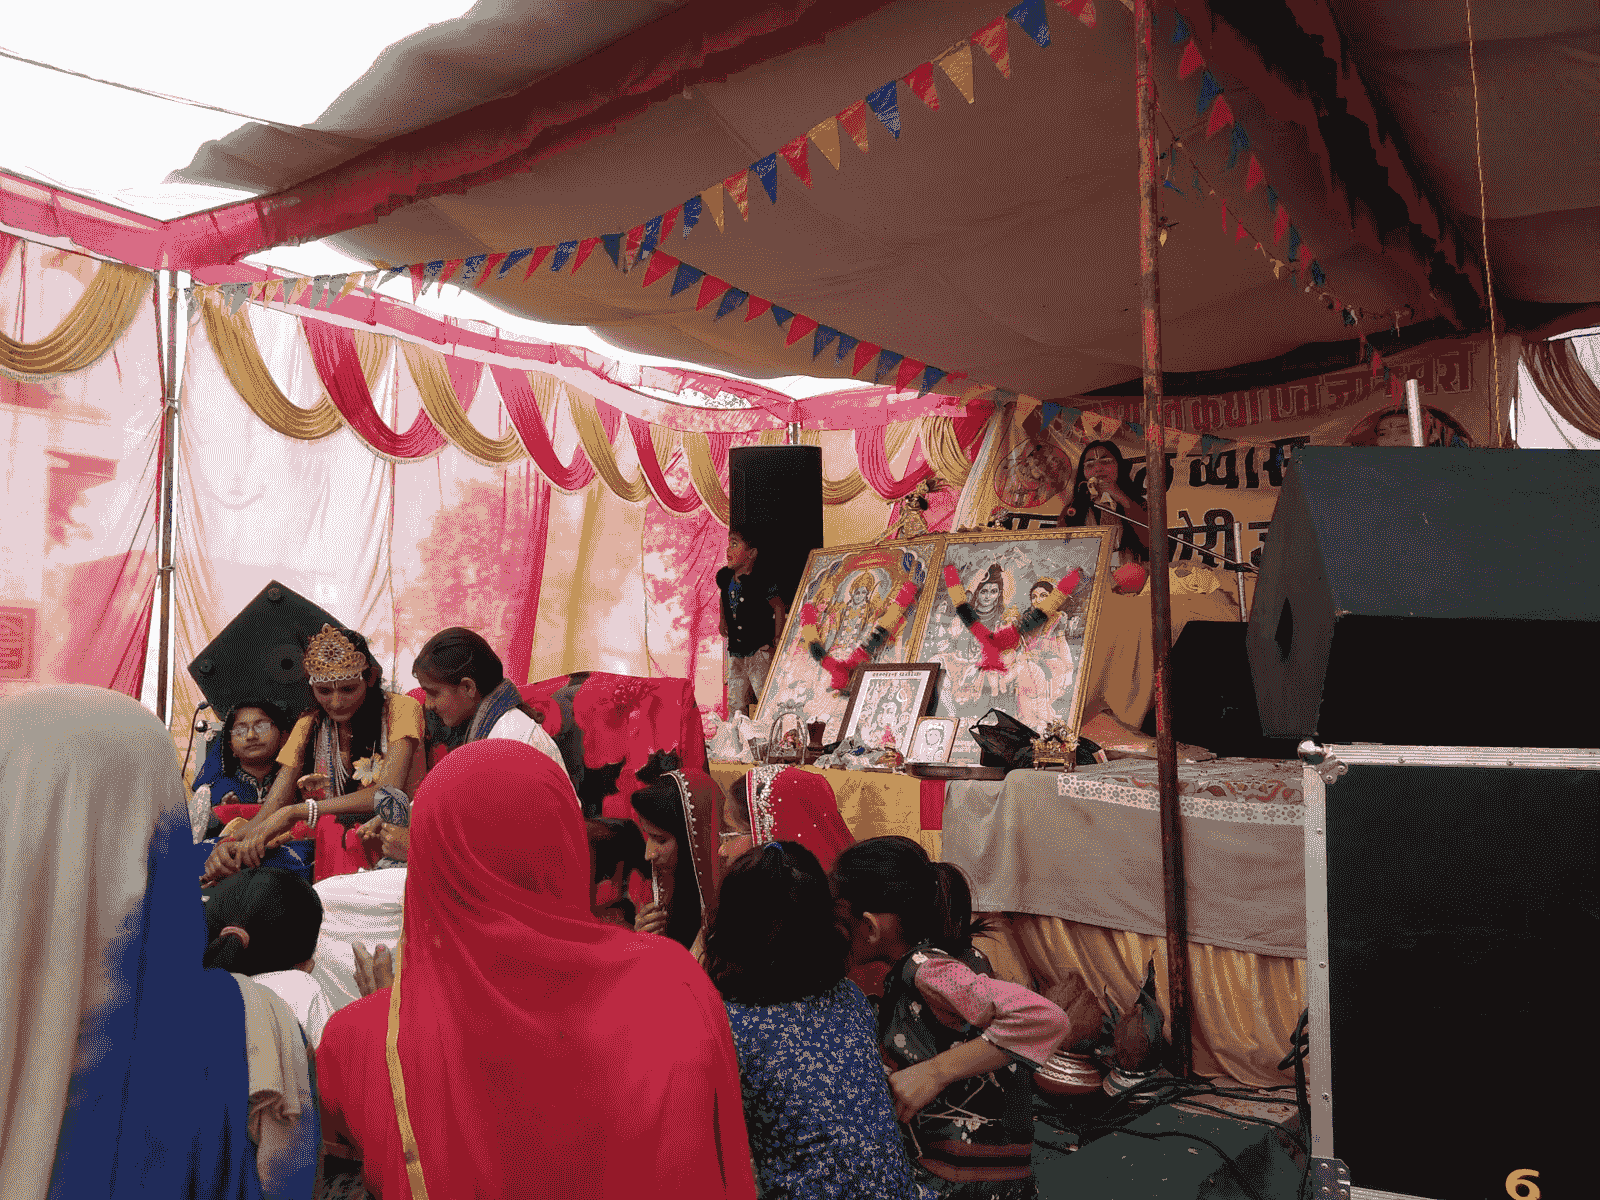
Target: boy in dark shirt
[{"x": 753, "y": 612}]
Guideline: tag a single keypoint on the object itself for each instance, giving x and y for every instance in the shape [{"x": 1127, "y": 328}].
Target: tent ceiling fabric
[{"x": 998, "y": 238}]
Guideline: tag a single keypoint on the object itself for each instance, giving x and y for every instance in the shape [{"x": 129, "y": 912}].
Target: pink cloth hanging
[
  {"x": 874, "y": 465},
  {"x": 333, "y": 350},
  {"x": 523, "y": 410},
  {"x": 681, "y": 505}
]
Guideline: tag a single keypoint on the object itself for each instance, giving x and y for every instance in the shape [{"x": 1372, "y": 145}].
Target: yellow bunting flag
[
  {"x": 351, "y": 282},
  {"x": 738, "y": 185},
  {"x": 956, "y": 63},
  {"x": 1186, "y": 442},
  {"x": 712, "y": 197},
  {"x": 825, "y": 136},
  {"x": 854, "y": 120},
  {"x": 301, "y": 287}
]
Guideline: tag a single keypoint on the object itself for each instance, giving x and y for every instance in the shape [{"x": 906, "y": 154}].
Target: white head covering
[{"x": 101, "y": 933}]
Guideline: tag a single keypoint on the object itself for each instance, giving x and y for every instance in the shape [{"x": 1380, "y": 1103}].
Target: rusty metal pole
[
  {"x": 1172, "y": 873},
  {"x": 169, "y": 408}
]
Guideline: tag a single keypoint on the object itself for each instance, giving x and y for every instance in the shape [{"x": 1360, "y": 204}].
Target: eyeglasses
[
  {"x": 734, "y": 834},
  {"x": 263, "y": 728}
]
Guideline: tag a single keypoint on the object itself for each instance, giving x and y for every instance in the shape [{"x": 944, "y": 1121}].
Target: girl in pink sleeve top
[{"x": 960, "y": 1044}]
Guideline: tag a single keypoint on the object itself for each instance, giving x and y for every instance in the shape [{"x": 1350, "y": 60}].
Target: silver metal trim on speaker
[{"x": 1371, "y": 754}]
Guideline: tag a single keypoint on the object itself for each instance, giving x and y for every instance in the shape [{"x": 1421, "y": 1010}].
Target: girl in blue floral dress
[{"x": 816, "y": 1101}]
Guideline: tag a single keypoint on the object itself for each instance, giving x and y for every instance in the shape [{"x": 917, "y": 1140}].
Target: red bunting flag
[
  {"x": 1191, "y": 61},
  {"x": 711, "y": 288},
  {"x": 1280, "y": 224},
  {"x": 1224, "y": 218},
  {"x": 1221, "y": 115},
  {"x": 660, "y": 263},
  {"x": 540, "y": 253},
  {"x": 490, "y": 265},
  {"x": 991, "y": 39},
  {"x": 799, "y": 327},
  {"x": 449, "y": 272},
  {"x": 416, "y": 272},
  {"x": 920, "y": 81},
  {"x": 738, "y": 185},
  {"x": 630, "y": 245},
  {"x": 1082, "y": 9},
  {"x": 1242, "y": 234},
  {"x": 585, "y": 248},
  {"x": 854, "y": 120},
  {"x": 865, "y": 353},
  {"x": 796, "y": 156},
  {"x": 1254, "y": 175},
  {"x": 755, "y": 306},
  {"x": 669, "y": 219},
  {"x": 910, "y": 368}
]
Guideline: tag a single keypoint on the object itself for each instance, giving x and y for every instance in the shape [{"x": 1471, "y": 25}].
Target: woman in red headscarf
[
  {"x": 785, "y": 804},
  {"x": 497, "y": 1063}
]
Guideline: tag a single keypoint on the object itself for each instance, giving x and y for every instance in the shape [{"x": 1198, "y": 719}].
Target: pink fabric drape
[
  {"x": 465, "y": 375},
  {"x": 652, "y": 471},
  {"x": 519, "y": 651},
  {"x": 874, "y": 465},
  {"x": 523, "y": 410},
  {"x": 333, "y": 350}
]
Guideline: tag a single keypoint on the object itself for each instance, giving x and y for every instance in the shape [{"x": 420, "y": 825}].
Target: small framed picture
[
  {"x": 886, "y": 703},
  {"x": 932, "y": 741}
]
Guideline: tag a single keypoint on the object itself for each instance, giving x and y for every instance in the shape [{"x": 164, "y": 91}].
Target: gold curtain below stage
[{"x": 1243, "y": 1007}]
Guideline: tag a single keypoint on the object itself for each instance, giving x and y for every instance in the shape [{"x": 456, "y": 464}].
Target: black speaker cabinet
[
  {"x": 1451, "y": 910},
  {"x": 1431, "y": 597},
  {"x": 259, "y": 655},
  {"x": 776, "y": 493},
  {"x": 1213, "y": 700}
]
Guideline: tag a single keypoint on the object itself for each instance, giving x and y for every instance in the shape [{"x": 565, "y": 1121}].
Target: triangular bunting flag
[
  {"x": 540, "y": 253},
  {"x": 710, "y": 288},
  {"x": 1253, "y": 175},
  {"x": 585, "y": 248},
  {"x": 1210, "y": 89},
  {"x": 766, "y": 170},
  {"x": 692, "y": 207},
  {"x": 1272, "y": 199},
  {"x": 668, "y": 220},
  {"x": 825, "y": 134},
  {"x": 731, "y": 299},
  {"x": 632, "y": 241},
  {"x": 780, "y": 314},
  {"x": 794, "y": 153},
  {"x": 888, "y": 360},
  {"x": 930, "y": 379},
  {"x": 417, "y": 270},
  {"x": 885, "y": 105},
  {"x": 910, "y": 368},
  {"x": 1242, "y": 234},
  {"x": 1221, "y": 115},
  {"x": 1317, "y": 277},
  {"x": 738, "y": 185},
  {"x": 920, "y": 81},
  {"x": 854, "y": 120},
  {"x": 956, "y": 63},
  {"x": 1239, "y": 142},
  {"x": 686, "y": 277},
  {"x": 258, "y": 290},
  {"x": 846, "y": 344},
  {"x": 434, "y": 272},
  {"x": 450, "y": 271},
  {"x": 1280, "y": 224},
  {"x": 660, "y": 263},
  {"x": 300, "y": 288},
  {"x": 472, "y": 269},
  {"x": 1030, "y": 18},
  {"x": 1180, "y": 30},
  {"x": 346, "y": 285},
  {"x": 823, "y": 338},
  {"x": 798, "y": 328},
  {"x": 1082, "y": 9},
  {"x": 1294, "y": 244},
  {"x": 318, "y": 283},
  {"x": 1224, "y": 207},
  {"x": 865, "y": 352},
  {"x": 1190, "y": 62},
  {"x": 651, "y": 237},
  {"x": 756, "y": 307},
  {"x": 1048, "y": 411},
  {"x": 991, "y": 39},
  {"x": 613, "y": 244},
  {"x": 712, "y": 197},
  {"x": 512, "y": 259},
  {"x": 234, "y": 294}
]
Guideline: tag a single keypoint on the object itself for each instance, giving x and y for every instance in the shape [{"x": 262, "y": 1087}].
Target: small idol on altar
[
  {"x": 888, "y": 754},
  {"x": 789, "y": 745}
]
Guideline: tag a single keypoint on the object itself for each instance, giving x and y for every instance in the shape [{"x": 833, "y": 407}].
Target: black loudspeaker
[
  {"x": 1462, "y": 905},
  {"x": 259, "y": 655},
  {"x": 1431, "y": 597},
  {"x": 1213, "y": 699},
  {"x": 776, "y": 493}
]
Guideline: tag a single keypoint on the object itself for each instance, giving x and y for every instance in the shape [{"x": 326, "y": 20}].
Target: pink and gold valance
[{"x": 101, "y": 316}]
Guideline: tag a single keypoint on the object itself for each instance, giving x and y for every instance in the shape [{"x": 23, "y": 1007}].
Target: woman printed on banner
[{"x": 1042, "y": 668}]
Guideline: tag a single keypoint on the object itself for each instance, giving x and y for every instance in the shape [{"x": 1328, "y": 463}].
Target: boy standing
[{"x": 753, "y": 611}]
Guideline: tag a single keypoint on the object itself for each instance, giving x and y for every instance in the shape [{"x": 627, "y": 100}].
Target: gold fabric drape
[
  {"x": 1562, "y": 380},
  {"x": 703, "y": 472},
  {"x": 592, "y": 433},
  {"x": 441, "y": 403},
  {"x": 102, "y": 315},
  {"x": 943, "y": 451},
  {"x": 235, "y": 343},
  {"x": 1243, "y": 1007}
]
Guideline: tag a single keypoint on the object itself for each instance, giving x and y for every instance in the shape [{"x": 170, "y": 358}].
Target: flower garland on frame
[
  {"x": 994, "y": 644},
  {"x": 888, "y": 625}
]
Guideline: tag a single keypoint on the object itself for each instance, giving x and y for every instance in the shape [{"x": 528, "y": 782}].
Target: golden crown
[{"x": 331, "y": 658}]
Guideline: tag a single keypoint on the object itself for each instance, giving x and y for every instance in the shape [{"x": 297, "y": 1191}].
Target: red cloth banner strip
[
  {"x": 873, "y": 463},
  {"x": 653, "y": 474},
  {"x": 333, "y": 351},
  {"x": 523, "y": 410},
  {"x": 519, "y": 650}
]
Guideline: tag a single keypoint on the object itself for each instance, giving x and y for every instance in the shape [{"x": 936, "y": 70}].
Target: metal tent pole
[
  {"x": 1172, "y": 873},
  {"x": 169, "y": 429}
]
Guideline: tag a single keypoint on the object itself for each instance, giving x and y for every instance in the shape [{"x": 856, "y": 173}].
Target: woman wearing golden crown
[{"x": 356, "y": 740}]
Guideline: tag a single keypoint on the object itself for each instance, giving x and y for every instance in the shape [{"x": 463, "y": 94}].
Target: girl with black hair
[
  {"x": 242, "y": 768},
  {"x": 677, "y": 812},
  {"x": 817, "y": 1107},
  {"x": 1105, "y": 476},
  {"x": 964, "y": 1044},
  {"x": 265, "y": 923}
]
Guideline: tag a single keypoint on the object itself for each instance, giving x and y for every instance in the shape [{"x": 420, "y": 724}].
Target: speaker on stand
[{"x": 775, "y": 494}]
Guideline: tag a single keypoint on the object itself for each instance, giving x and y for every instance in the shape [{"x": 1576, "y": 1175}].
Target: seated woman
[
  {"x": 786, "y": 804},
  {"x": 677, "y": 813},
  {"x": 264, "y": 923},
  {"x": 816, "y": 1104},
  {"x": 244, "y": 771},
  {"x": 357, "y": 742},
  {"x": 130, "y": 1069},
  {"x": 535, "y": 1051},
  {"x": 1105, "y": 481},
  {"x": 964, "y": 1045}
]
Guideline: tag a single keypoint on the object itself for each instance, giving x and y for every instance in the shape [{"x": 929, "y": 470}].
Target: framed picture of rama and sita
[{"x": 999, "y": 626}]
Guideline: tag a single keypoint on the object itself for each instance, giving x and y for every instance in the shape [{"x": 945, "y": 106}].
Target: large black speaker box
[
  {"x": 1462, "y": 905},
  {"x": 1213, "y": 699},
  {"x": 776, "y": 493},
  {"x": 1431, "y": 597},
  {"x": 259, "y": 656}
]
